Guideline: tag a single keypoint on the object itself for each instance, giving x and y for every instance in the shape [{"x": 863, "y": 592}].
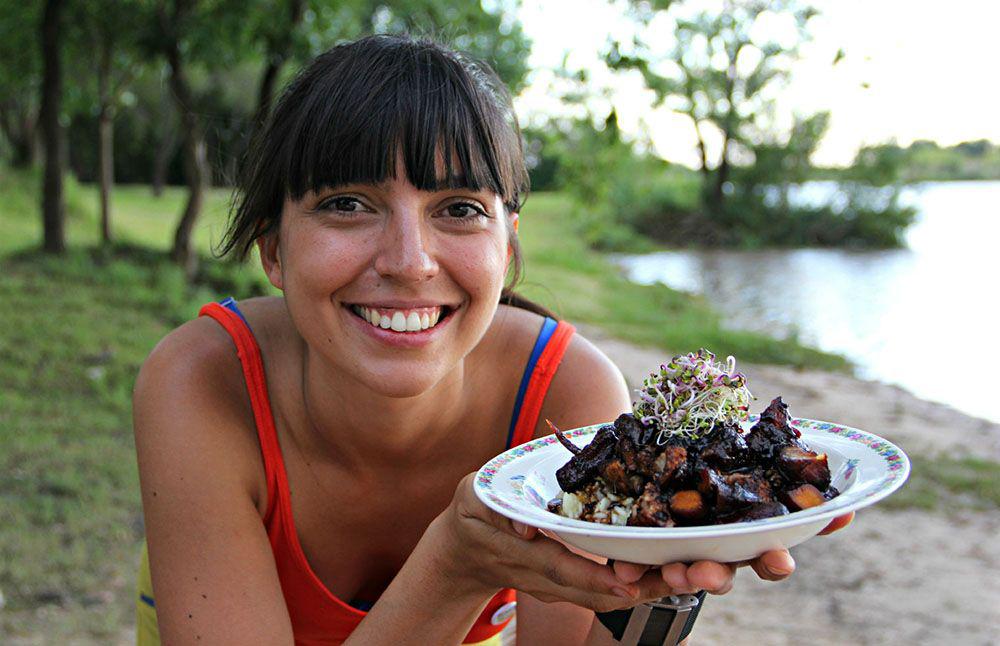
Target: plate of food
[{"x": 690, "y": 475}]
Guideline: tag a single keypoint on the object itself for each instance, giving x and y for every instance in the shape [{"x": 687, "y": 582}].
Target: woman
[{"x": 313, "y": 485}]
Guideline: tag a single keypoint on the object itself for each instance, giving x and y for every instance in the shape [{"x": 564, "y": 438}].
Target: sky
[{"x": 913, "y": 70}]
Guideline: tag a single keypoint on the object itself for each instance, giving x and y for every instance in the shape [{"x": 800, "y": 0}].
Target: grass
[{"x": 942, "y": 483}]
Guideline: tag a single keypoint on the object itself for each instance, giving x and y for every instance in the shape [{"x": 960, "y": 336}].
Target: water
[{"x": 923, "y": 317}]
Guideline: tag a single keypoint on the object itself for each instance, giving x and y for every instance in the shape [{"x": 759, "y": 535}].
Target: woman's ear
[
  {"x": 270, "y": 258},
  {"x": 513, "y": 220}
]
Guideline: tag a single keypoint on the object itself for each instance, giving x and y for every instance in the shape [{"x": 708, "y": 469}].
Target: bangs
[{"x": 411, "y": 100}]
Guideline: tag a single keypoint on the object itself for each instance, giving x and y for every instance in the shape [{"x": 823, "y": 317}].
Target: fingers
[
  {"x": 629, "y": 572},
  {"x": 774, "y": 565},
  {"x": 840, "y": 522},
  {"x": 526, "y": 532},
  {"x": 713, "y": 577}
]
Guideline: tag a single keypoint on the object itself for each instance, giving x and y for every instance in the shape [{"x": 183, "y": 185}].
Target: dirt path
[{"x": 893, "y": 577}]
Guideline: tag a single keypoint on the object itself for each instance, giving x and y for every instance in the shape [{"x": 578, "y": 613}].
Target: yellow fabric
[{"x": 147, "y": 632}]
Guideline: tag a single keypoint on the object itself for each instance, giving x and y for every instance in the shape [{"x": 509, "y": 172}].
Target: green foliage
[
  {"x": 943, "y": 482},
  {"x": 616, "y": 191},
  {"x": 921, "y": 161},
  {"x": 720, "y": 73}
]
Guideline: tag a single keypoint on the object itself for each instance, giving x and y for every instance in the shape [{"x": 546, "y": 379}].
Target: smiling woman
[{"x": 306, "y": 459}]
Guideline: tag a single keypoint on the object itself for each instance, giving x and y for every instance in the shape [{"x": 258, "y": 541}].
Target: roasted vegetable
[
  {"x": 802, "y": 497},
  {"x": 688, "y": 505}
]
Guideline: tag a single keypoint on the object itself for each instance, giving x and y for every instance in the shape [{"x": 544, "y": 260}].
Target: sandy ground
[{"x": 893, "y": 577}]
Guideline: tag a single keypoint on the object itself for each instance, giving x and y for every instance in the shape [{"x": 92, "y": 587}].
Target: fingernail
[
  {"x": 520, "y": 528},
  {"x": 622, "y": 592},
  {"x": 786, "y": 567}
]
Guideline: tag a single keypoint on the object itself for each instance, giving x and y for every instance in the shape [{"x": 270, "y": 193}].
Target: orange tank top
[{"x": 317, "y": 616}]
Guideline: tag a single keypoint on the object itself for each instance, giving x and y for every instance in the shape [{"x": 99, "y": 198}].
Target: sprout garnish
[{"x": 691, "y": 394}]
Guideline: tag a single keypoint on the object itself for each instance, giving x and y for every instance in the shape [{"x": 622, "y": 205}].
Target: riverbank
[{"x": 918, "y": 568}]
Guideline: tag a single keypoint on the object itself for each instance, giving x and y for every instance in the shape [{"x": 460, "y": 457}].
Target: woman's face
[{"x": 392, "y": 285}]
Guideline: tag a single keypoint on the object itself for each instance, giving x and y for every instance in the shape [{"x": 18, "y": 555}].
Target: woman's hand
[
  {"x": 483, "y": 550},
  {"x": 480, "y": 550},
  {"x": 717, "y": 578}
]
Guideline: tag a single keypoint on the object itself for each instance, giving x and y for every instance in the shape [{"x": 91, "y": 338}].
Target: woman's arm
[
  {"x": 214, "y": 578},
  {"x": 587, "y": 388}
]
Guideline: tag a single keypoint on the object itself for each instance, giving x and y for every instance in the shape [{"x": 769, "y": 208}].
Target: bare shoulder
[
  {"x": 190, "y": 404},
  {"x": 588, "y": 388}
]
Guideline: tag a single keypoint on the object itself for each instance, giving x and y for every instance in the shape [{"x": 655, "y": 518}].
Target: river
[{"x": 923, "y": 317}]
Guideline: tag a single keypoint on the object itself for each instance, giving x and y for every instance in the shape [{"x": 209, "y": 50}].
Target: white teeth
[{"x": 398, "y": 322}]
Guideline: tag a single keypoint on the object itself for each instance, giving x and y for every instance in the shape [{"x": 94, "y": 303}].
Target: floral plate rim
[{"x": 897, "y": 469}]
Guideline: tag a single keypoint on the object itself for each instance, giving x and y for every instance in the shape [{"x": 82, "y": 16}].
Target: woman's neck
[{"x": 362, "y": 429}]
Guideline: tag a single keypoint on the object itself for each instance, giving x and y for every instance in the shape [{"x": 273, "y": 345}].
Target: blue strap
[
  {"x": 230, "y": 303},
  {"x": 548, "y": 327}
]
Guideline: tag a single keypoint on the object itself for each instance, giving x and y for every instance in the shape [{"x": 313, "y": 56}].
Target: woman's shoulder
[
  {"x": 587, "y": 387},
  {"x": 190, "y": 399}
]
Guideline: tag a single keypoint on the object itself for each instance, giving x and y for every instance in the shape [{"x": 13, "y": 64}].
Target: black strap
[{"x": 657, "y": 625}]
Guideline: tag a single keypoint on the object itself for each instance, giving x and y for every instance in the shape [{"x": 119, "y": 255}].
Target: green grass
[
  {"x": 942, "y": 483},
  {"x": 75, "y": 330}
]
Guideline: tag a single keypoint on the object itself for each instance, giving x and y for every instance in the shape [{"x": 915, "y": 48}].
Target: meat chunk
[
  {"x": 802, "y": 465},
  {"x": 726, "y": 450},
  {"x": 651, "y": 509},
  {"x": 772, "y": 432},
  {"x": 667, "y": 463},
  {"x": 614, "y": 474},
  {"x": 759, "y": 512},
  {"x": 586, "y": 465}
]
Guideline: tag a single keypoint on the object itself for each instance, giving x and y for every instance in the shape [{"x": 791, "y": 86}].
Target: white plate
[{"x": 518, "y": 483}]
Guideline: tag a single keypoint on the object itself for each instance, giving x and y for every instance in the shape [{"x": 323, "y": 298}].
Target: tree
[
  {"x": 721, "y": 73},
  {"x": 185, "y": 32},
  {"x": 278, "y": 35},
  {"x": 53, "y": 208},
  {"x": 107, "y": 28},
  {"x": 20, "y": 79}
]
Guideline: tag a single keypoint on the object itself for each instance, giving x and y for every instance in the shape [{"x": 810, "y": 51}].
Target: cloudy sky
[{"x": 930, "y": 69}]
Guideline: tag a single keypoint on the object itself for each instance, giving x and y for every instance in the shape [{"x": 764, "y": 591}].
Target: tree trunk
[
  {"x": 195, "y": 166},
  {"x": 165, "y": 150},
  {"x": 53, "y": 209},
  {"x": 18, "y": 124},
  {"x": 277, "y": 52},
  {"x": 105, "y": 149},
  {"x": 721, "y": 177}
]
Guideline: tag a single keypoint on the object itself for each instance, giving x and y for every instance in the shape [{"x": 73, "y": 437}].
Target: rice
[{"x": 597, "y": 503}]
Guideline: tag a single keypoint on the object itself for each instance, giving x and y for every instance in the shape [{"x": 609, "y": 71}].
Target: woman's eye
[
  {"x": 464, "y": 210},
  {"x": 346, "y": 204}
]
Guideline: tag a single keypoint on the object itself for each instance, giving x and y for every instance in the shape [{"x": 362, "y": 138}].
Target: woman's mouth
[{"x": 407, "y": 320}]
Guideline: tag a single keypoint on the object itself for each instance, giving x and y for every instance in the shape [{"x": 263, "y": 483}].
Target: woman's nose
[{"x": 405, "y": 251}]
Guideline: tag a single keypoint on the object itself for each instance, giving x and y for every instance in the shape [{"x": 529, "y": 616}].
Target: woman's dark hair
[{"x": 343, "y": 118}]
